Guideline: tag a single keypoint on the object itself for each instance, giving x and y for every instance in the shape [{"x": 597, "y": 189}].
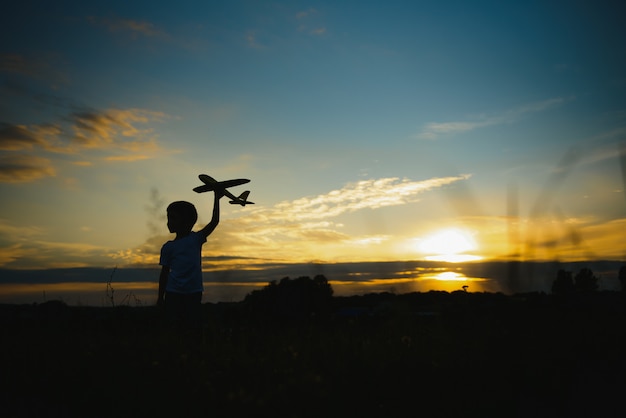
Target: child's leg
[
  {"x": 193, "y": 311},
  {"x": 184, "y": 311},
  {"x": 174, "y": 309}
]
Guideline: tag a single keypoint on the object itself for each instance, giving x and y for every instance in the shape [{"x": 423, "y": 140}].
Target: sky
[{"x": 371, "y": 131}]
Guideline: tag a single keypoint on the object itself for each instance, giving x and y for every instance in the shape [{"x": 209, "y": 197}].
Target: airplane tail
[{"x": 242, "y": 199}]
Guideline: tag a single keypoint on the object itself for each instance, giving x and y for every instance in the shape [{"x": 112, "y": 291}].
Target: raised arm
[{"x": 215, "y": 219}]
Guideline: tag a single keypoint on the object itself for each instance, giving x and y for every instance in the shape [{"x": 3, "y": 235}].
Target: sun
[{"x": 451, "y": 245}]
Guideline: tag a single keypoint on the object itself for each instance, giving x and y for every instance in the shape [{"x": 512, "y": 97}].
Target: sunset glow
[
  {"x": 450, "y": 245},
  {"x": 370, "y": 132},
  {"x": 450, "y": 275}
]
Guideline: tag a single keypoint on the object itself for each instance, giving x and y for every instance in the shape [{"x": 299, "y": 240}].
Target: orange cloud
[
  {"x": 113, "y": 127},
  {"x": 122, "y": 132},
  {"x": 83, "y": 163},
  {"x": 47, "y": 254},
  {"x": 302, "y": 229},
  {"x": 22, "y": 168},
  {"x": 295, "y": 229},
  {"x": 127, "y": 158},
  {"x": 21, "y": 137},
  {"x": 13, "y": 239}
]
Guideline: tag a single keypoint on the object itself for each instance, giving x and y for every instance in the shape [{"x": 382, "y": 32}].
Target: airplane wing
[
  {"x": 211, "y": 184},
  {"x": 210, "y": 181},
  {"x": 202, "y": 189}
]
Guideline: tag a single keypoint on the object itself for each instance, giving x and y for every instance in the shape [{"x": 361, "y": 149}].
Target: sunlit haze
[
  {"x": 451, "y": 245},
  {"x": 436, "y": 131}
]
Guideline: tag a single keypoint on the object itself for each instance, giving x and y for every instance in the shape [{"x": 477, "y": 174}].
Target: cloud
[
  {"x": 298, "y": 227},
  {"x": 127, "y": 158},
  {"x": 365, "y": 194},
  {"x": 433, "y": 130},
  {"x": 123, "y": 133},
  {"x": 301, "y": 229},
  {"x": 12, "y": 231},
  {"x": 83, "y": 163},
  {"x": 39, "y": 68},
  {"x": 21, "y": 137},
  {"x": 135, "y": 28},
  {"x": 603, "y": 147},
  {"x": 49, "y": 254},
  {"x": 34, "y": 253},
  {"x": 21, "y": 168},
  {"x": 17, "y": 137},
  {"x": 10, "y": 253},
  {"x": 89, "y": 129},
  {"x": 18, "y": 64},
  {"x": 309, "y": 22},
  {"x": 118, "y": 127},
  {"x": 146, "y": 254},
  {"x": 12, "y": 91},
  {"x": 306, "y": 13},
  {"x": 538, "y": 106},
  {"x": 252, "y": 40},
  {"x": 318, "y": 31},
  {"x": 25, "y": 247}
]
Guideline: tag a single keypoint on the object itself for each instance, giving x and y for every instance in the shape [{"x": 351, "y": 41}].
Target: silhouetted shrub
[
  {"x": 563, "y": 284},
  {"x": 292, "y": 297},
  {"x": 585, "y": 281}
]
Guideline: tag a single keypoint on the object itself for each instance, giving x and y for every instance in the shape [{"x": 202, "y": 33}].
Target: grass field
[{"x": 434, "y": 354}]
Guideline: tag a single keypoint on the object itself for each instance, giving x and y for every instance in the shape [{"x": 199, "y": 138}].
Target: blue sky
[{"x": 369, "y": 129}]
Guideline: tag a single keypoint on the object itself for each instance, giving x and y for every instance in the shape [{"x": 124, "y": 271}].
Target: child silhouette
[{"x": 180, "y": 282}]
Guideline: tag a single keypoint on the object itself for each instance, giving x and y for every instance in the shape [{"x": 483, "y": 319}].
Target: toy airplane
[{"x": 210, "y": 184}]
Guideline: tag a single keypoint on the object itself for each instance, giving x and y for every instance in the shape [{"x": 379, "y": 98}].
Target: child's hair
[{"x": 186, "y": 211}]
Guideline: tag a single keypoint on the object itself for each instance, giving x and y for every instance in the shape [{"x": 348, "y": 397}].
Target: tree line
[{"x": 585, "y": 281}]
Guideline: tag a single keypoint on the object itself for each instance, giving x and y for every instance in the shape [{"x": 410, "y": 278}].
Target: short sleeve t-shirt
[{"x": 183, "y": 256}]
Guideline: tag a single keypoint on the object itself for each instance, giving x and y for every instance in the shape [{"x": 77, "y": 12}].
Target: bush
[
  {"x": 292, "y": 298},
  {"x": 563, "y": 284},
  {"x": 585, "y": 281}
]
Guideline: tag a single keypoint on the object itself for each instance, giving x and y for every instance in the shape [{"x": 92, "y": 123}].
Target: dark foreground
[{"x": 427, "y": 355}]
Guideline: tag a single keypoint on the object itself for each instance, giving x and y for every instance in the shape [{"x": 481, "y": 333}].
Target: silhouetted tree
[
  {"x": 563, "y": 284},
  {"x": 292, "y": 297},
  {"x": 585, "y": 281}
]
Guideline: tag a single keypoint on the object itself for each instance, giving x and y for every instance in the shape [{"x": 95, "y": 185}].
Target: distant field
[
  {"x": 88, "y": 286},
  {"x": 433, "y": 354}
]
